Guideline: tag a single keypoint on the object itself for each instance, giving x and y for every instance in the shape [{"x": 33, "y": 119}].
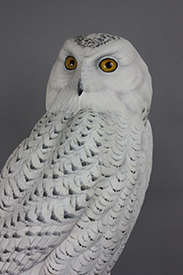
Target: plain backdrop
[{"x": 31, "y": 35}]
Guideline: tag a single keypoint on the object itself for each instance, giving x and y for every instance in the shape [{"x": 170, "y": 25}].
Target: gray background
[{"x": 31, "y": 34}]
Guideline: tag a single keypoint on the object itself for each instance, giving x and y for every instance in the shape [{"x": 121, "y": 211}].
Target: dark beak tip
[{"x": 80, "y": 87}]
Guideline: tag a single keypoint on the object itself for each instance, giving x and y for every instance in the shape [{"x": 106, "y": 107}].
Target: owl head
[{"x": 102, "y": 72}]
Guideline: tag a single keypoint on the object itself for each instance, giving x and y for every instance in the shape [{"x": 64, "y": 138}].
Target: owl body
[{"x": 72, "y": 191}]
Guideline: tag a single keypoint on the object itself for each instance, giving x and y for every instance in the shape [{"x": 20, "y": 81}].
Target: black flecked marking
[
  {"x": 15, "y": 196},
  {"x": 5, "y": 225},
  {"x": 40, "y": 234},
  {"x": 92, "y": 153},
  {"x": 18, "y": 249},
  {"x": 30, "y": 198},
  {"x": 27, "y": 218},
  {"x": 44, "y": 146},
  {"x": 87, "y": 197},
  {"x": 98, "y": 144},
  {"x": 6, "y": 251},
  {"x": 54, "y": 217},
  {"x": 26, "y": 178},
  {"x": 17, "y": 159},
  {"x": 45, "y": 176},
  {"x": 5, "y": 193},
  {"x": 45, "y": 194},
  {"x": 9, "y": 171},
  {"x": 20, "y": 189},
  {"x": 12, "y": 222},
  {"x": 36, "y": 192},
  {"x": 88, "y": 128},
  {"x": 48, "y": 233},
  {"x": 78, "y": 207},
  {"x": 32, "y": 166},
  {"x": 55, "y": 176},
  {"x": 80, "y": 143},
  {"x": 98, "y": 40},
  {"x": 39, "y": 134},
  {"x": 65, "y": 172},
  {"x": 71, "y": 192},
  {"x": 84, "y": 187},
  {"x": 58, "y": 156},
  {"x": 71, "y": 148},
  {"x": 73, "y": 167},
  {"x": 93, "y": 178},
  {"x": 55, "y": 192},
  {"x": 55, "y": 233},
  {"x": 27, "y": 147},
  {"x": 84, "y": 163},
  {"x": 15, "y": 235},
  {"x": 53, "y": 162},
  {"x": 84, "y": 135},
  {"x": 91, "y": 219},
  {"x": 29, "y": 233},
  {"x": 41, "y": 218},
  {"x": 6, "y": 236},
  {"x": 68, "y": 215}
]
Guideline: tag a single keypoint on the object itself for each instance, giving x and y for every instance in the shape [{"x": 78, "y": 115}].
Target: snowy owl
[{"x": 72, "y": 191}]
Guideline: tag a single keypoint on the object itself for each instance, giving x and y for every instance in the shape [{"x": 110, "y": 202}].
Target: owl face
[{"x": 99, "y": 71}]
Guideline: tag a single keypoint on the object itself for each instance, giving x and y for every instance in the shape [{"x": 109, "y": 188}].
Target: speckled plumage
[
  {"x": 71, "y": 192},
  {"x": 94, "y": 42}
]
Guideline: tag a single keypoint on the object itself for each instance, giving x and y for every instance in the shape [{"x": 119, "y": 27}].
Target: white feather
[{"x": 71, "y": 192}]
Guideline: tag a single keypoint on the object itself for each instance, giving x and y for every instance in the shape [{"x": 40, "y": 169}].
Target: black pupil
[
  {"x": 108, "y": 65},
  {"x": 72, "y": 62}
]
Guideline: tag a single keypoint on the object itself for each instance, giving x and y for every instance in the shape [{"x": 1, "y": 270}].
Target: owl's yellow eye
[
  {"x": 108, "y": 65},
  {"x": 70, "y": 63}
]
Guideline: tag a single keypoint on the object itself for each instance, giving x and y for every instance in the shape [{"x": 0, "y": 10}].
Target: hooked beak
[{"x": 80, "y": 87}]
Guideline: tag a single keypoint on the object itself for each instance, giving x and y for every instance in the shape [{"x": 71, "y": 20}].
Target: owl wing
[
  {"x": 47, "y": 183},
  {"x": 101, "y": 232},
  {"x": 61, "y": 188}
]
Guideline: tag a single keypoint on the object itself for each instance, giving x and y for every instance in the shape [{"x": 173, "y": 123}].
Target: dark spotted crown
[{"x": 94, "y": 40}]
